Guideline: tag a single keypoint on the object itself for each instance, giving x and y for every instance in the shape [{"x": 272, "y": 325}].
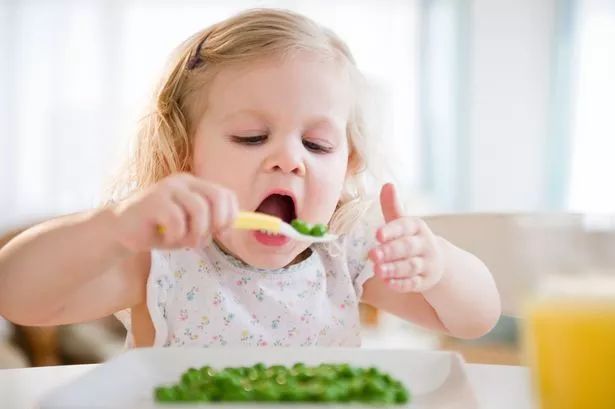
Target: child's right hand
[{"x": 178, "y": 211}]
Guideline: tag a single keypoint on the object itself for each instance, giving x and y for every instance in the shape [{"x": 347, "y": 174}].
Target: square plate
[{"x": 436, "y": 379}]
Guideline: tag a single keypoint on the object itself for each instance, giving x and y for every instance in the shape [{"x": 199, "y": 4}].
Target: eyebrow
[
  {"x": 250, "y": 112},
  {"x": 325, "y": 122},
  {"x": 318, "y": 121}
]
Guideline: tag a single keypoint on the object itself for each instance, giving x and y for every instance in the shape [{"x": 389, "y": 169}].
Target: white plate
[{"x": 436, "y": 379}]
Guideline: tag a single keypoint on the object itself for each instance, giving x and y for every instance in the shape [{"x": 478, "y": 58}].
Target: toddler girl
[{"x": 259, "y": 112}]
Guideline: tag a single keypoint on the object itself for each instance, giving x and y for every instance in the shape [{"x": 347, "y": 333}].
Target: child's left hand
[{"x": 409, "y": 257}]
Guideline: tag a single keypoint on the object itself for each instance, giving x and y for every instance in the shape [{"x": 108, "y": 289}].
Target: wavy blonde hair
[{"x": 164, "y": 140}]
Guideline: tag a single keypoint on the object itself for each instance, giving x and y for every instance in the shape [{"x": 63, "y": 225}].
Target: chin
[{"x": 270, "y": 258}]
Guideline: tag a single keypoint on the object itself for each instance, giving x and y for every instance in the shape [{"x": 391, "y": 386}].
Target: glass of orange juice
[{"x": 570, "y": 343}]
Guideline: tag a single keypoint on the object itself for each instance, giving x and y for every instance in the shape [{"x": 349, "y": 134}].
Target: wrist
[
  {"x": 106, "y": 220},
  {"x": 446, "y": 276}
]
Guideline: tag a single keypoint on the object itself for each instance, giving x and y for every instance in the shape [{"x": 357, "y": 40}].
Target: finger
[
  {"x": 405, "y": 226},
  {"x": 232, "y": 208},
  {"x": 402, "y": 285},
  {"x": 401, "y": 268},
  {"x": 197, "y": 210},
  {"x": 219, "y": 198},
  {"x": 399, "y": 249},
  {"x": 416, "y": 283},
  {"x": 390, "y": 204},
  {"x": 171, "y": 224},
  {"x": 220, "y": 208}
]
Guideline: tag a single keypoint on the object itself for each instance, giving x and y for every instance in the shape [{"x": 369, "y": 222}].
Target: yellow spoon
[{"x": 272, "y": 224}]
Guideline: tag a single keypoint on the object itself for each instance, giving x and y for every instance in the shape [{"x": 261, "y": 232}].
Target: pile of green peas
[
  {"x": 318, "y": 230},
  {"x": 277, "y": 383}
]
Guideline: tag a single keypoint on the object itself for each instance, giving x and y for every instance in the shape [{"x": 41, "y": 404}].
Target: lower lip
[{"x": 268, "y": 240}]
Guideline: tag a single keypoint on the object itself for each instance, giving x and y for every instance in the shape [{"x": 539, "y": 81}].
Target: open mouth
[{"x": 279, "y": 205}]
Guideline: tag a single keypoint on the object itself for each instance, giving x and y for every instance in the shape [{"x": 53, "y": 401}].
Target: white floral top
[{"x": 206, "y": 298}]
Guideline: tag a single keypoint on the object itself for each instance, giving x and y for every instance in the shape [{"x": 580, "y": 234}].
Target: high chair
[{"x": 521, "y": 249}]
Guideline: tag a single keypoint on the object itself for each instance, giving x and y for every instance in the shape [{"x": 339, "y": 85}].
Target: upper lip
[{"x": 282, "y": 192}]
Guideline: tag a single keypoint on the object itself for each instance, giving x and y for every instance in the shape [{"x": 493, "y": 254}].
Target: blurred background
[{"x": 498, "y": 117}]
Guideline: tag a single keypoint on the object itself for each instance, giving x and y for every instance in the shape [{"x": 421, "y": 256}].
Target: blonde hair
[{"x": 164, "y": 140}]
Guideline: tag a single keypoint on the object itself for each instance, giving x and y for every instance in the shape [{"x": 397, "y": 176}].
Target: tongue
[{"x": 277, "y": 206}]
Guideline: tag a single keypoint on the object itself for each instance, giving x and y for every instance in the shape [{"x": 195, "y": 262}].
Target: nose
[{"x": 286, "y": 157}]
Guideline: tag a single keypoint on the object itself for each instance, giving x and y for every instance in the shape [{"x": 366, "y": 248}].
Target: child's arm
[
  {"x": 426, "y": 279},
  {"x": 89, "y": 265},
  {"x": 68, "y": 270}
]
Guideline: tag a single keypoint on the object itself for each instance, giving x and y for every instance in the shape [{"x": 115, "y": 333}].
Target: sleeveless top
[{"x": 206, "y": 298}]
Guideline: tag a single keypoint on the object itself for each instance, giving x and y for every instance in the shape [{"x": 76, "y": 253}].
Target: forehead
[{"x": 293, "y": 87}]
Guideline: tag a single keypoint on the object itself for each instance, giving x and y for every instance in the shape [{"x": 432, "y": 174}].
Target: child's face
[{"x": 275, "y": 133}]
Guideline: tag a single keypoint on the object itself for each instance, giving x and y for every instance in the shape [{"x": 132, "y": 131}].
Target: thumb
[{"x": 389, "y": 202}]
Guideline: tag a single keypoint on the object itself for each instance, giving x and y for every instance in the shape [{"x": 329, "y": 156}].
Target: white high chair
[{"x": 521, "y": 249}]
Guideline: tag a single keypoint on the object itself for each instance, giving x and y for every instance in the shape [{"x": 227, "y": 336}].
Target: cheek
[
  {"x": 214, "y": 161},
  {"x": 218, "y": 163},
  {"x": 339, "y": 170},
  {"x": 327, "y": 187},
  {"x": 203, "y": 157}
]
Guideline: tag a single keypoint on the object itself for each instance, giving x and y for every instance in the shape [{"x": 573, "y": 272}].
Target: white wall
[
  {"x": 510, "y": 66},
  {"x": 75, "y": 77},
  {"x": 593, "y": 122}
]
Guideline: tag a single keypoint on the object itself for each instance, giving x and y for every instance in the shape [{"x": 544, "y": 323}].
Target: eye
[
  {"x": 316, "y": 147},
  {"x": 249, "y": 140}
]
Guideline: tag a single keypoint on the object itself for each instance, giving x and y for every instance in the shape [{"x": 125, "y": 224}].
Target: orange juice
[{"x": 570, "y": 344}]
